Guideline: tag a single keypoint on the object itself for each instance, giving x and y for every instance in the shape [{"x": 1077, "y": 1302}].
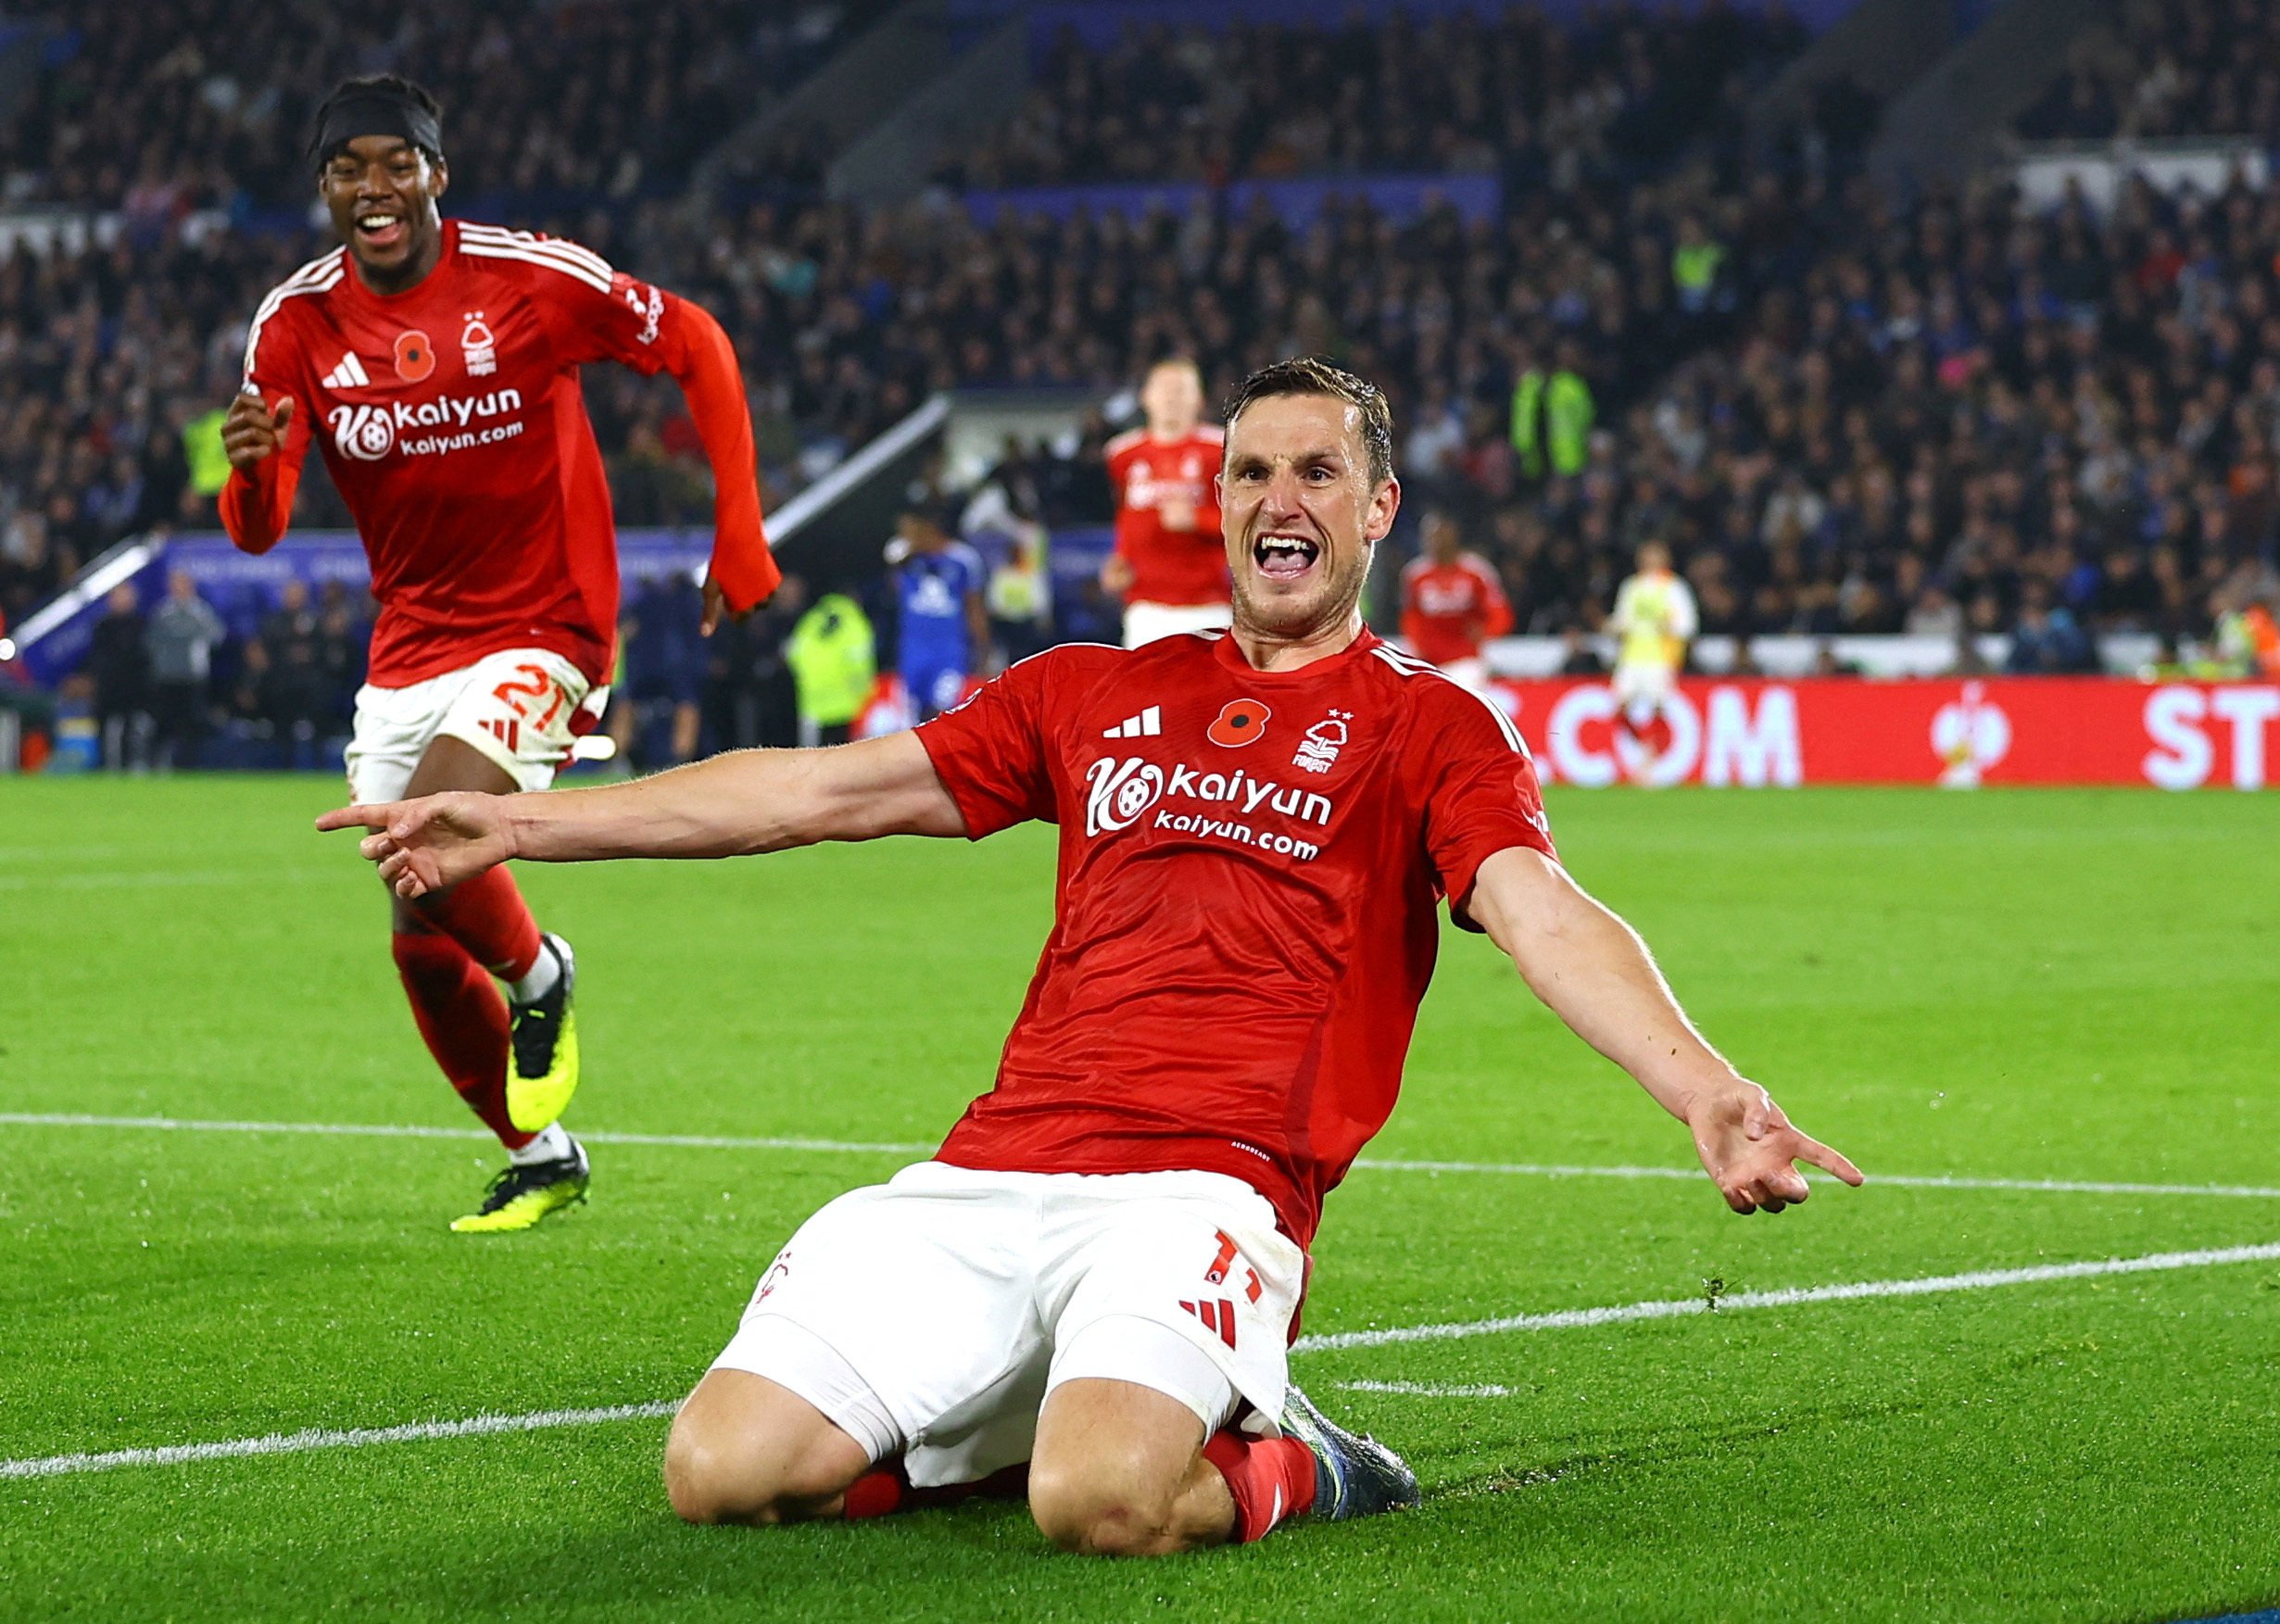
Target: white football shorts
[
  {"x": 929, "y": 1317},
  {"x": 1638, "y": 683},
  {"x": 514, "y": 706},
  {"x": 1145, "y": 622}
]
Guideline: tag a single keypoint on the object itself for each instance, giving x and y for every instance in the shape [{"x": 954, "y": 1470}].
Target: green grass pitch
[{"x": 2024, "y": 985}]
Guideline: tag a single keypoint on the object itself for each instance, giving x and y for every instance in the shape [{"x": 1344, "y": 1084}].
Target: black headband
[{"x": 374, "y": 112}]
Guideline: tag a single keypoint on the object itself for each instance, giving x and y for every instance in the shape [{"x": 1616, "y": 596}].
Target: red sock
[
  {"x": 487, "y": 916},
  {"x": 464, "y": 1020},
  {"x": 1658, "y": 735},
  {"x": 886, "y": 1489},
  {"x": 1270, "y": 1479}
]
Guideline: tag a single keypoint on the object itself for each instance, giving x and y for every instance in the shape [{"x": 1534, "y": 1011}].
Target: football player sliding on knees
[
  {"x": 433, "y": 364},
  {"x": 1106, "y": 1256}
]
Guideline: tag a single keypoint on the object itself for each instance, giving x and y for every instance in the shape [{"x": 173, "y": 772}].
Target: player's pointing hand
[
  {"x": 254, "y": 430},
  {"x": 430, "y": 844},
  {"x": 1748, "y": 1145}
]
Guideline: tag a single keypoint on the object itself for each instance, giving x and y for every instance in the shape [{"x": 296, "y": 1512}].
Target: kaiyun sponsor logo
[
  {"x": 1119, "y": 790},
  {"x": 370, "y": 433}
]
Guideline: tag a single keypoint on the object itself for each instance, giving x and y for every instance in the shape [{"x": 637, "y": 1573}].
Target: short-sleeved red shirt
[
  {"x": 1448, "y": 610},
  {"x": 1177, "y": 566},
  {"x": 1245, "y": 916}
]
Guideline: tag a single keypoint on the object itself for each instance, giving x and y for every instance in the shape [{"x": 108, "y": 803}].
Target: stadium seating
[
  {"x": 1514, "y": 94},
  {"x": 1848, "y": 415},
  {"x": 173, "y": 108},
  {"x": 1951, "y": 412},
  {"x": 2176, "y": 67}
]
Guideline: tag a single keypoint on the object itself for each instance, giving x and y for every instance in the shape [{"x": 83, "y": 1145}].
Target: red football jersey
[
  {"x": 1169, "y": 566},
  {"x": 451, "y": 420},
  {"x": 1244, "y": 921},
  {"x": 1447, "y": 611}
]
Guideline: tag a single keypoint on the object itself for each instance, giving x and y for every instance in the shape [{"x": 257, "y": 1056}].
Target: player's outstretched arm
[
  {"x": 1596, "y": 974},
  {"x": 730, "y": 806}
]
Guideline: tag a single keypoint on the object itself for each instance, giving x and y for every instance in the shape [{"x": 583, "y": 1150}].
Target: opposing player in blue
[{"x": 944, "y": 626}]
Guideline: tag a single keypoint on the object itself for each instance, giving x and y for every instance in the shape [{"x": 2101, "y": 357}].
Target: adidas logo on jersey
[
  {"x": 1149, "y": 723},
  {"x": 348, "y": 374}
]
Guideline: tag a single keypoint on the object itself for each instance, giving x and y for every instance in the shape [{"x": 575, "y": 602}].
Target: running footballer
[
  {"x": 1096, "y": 1276},
  {"x": 434, "y": 365}
]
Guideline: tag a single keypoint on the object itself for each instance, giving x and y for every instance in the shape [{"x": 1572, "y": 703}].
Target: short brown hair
[{"x": 1311, "y": 374}]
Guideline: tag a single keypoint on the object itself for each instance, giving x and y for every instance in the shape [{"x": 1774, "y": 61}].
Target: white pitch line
[
  {"x": 393, "y": 1130},
  {"x": 1904, "y": 1180},
  {"x": 105, "y": 880},
  {"x": 1787, "y": 1297},
  {"x": 56, "y": 1466},
  {"x": 1977, "y": 1280},
  {"x": 1430, "y": 1389},
  {"x": 923, "y": 1147}
]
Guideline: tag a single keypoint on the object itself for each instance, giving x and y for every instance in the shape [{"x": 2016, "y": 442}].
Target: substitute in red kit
[{"x": 434, "y": 363}]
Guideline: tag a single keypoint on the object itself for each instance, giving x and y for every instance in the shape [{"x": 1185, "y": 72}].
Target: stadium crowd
[
  {"x": 159, "y": 110},
  {"x": 1512, "y": 94},
  {"x": 1958, "y": 415},
  {"x": 2175, "y": 67},
  {"x": 1843, "y": 415}
]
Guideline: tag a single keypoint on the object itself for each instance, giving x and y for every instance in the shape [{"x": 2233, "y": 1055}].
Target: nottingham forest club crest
[
  {"x": 477, "y": 348},
  {"x": 1318, "y": 752}
]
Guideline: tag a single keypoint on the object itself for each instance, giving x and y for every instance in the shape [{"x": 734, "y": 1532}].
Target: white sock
[
  {"x": 545, "y": 970},
  {"x": 551, "y": 1145}
]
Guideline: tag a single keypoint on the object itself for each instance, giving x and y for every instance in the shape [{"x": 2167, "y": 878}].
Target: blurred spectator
[
  {"x": 1019, "y": 596},
  {"x": 181, "y": 635},
  {"x": 834, "y": 661},
  {"x": 666, "y": 665},
  {"x": 2047, "y": 642},
  {"x": 303, "y": 664},
  {"x": 119, "y": 662},
  {"x": 32, "y": 568},
  {"x": 1001, "y": 522},
  {"x": 750, "y": 695},
  {"x": 1552, "y": 416},
  {"x": 1827, "y": 662},
  {"x": 2248, "y": 638},
  {"x": 1578, "y": 657}
]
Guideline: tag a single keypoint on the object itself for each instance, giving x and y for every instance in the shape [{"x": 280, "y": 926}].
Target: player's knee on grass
[
  {"x": 1113, "y": 1470},
  {"x": 1103, "y": 1513},
  {"x": 744, "y": 1449}
]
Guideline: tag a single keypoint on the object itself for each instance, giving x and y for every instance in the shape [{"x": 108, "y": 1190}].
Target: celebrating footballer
[
  {"x": 434, "y": 363},
  {"x": 1097, "y": 1274}
]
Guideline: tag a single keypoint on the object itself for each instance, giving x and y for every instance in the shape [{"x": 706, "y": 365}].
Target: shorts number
[{"x": 538, "y": 684}]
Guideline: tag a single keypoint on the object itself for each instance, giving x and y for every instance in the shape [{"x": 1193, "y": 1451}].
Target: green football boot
[
  {"x": 521, "y": 1195},
  {"x": 544, "y": 1070}
]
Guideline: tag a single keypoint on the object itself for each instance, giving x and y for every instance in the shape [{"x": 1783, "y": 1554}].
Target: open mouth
[
  {"x": 379, "y": 230},
  {"x": 1284, "y": 558}
]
